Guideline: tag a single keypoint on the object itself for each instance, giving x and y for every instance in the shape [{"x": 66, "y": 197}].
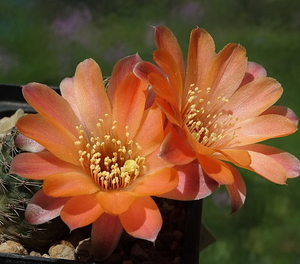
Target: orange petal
[
  {"x": 155, "y": 183},
  {"x": 165, "y": 40},
  {"x": 91, "y": 97},
  {"x": 268, "y": 168},
  {"x": 144, "y": 68},
  {"x": 81, "y": 211},
  {"x": 106, "y": 232},
  {"x": 283, "y": 111},
  {"x": 217, "y": 170},
  {"x": 253, "y": 71},
  {"x": 173, "y": 115},
  {"x": 236, "y": 190},
  {"x": 59, "y": 143},
  {"x": 277, "y": 164},
  {"x": 155, "y": 162},
  {"x": 39, "y": 165},
  {"x": 143, "y": 219},
  {"x": 226, "y": 72},
  {"x": 163, "y": 88},
  {"x": 151, "y": 74},
  {"x": 150, "y": 133},
  {"x": 115, "y": 202},
  {"x": 68, "y": 92},
  {"x": 150, "y": 100},
  {"x": 128, "y": 111},
  {"x": 254, "y": 98},
  {"x": 168, "y": 64},
  {"x": 175, "y": 149},
  {"x": 43, "y": 208},
  {"x": 54, "y": 108},
  {"x": 261, "y": 128},
  {"x": 69, "y": 184},
  {"x": 200, "y": 56},
  {"x": 120, "y": 70},
  {"x": 196, "y": 146},
  {"x": 256, "y": 70},
  {"x": 193, "y": 183},
  {"x": 240, "y": 158}
]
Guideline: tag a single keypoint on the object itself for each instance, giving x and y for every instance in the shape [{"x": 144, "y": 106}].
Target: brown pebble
[
  {"x": 174, "y": 215},
  {"x": 181, "y": 221},
  {"x": 176, "y": 260},
  {"x": 157, "y": 257},
  {"x": 63, "y": 242},
  {"x": 167, "y": 206},
  {"x": 178, "y": 235},
  {"x": 84, "y": 250},
  {"x": 62, "y": 251},
  {"x": 166, "y": 236},
  {"x": 34, "y": 253},
  {"x": 173, "y": 245},
  {"x": 138, "y": 253},
  {"x": 12, "y": 247}
]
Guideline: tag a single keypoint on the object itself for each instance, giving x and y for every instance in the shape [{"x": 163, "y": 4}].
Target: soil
[{"x": 167, "y": 248}]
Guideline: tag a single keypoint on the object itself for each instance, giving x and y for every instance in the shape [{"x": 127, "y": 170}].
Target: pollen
[
  {"x": 206, "y": 120},
  {"x": 113, "y": 161}
]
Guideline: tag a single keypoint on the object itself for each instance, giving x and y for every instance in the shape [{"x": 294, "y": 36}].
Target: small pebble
[
  {"x": 34, "y": 253},
  {"x": 178, "y": 235},
  {"x": 12, "y": 247},
  {"x": 138, "y": 253},
  {"x": 63, "y": 250},
  {"x": 166, "y": 236},
  {"x": 84, "y": 250},
  {"x": 177, "y": 260},
  {"x": 167, "y": 206}
]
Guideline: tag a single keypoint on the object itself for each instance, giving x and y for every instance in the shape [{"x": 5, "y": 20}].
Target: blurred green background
[{"x": 44, "y": 40}]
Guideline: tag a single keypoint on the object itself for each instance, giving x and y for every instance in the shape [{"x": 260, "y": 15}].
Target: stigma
[{"x": 113, "y": 162}]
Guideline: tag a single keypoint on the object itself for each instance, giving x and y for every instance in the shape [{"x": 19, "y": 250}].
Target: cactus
[{"x": 15, "y": 193}]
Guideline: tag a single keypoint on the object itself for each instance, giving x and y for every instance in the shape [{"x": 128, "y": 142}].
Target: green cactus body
[{"x": 15, "y": 193}]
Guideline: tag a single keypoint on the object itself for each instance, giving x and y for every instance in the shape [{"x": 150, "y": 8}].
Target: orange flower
[
  {"x": 100, "y": 164},
  {"x": 220, "y": 106}
]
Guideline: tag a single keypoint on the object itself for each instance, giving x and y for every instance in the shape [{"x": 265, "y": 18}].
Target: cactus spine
[{"x": 15, "y": 193}]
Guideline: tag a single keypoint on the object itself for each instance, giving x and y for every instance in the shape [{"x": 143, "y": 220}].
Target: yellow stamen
[
  {"x": 112, "y": 163},
  {"x": 203, "y": 119}
]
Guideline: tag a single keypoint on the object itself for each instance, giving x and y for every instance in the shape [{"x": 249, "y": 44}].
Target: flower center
[
  {"x": 207, "y": 123},
  {"x": 112, "y": 163}
]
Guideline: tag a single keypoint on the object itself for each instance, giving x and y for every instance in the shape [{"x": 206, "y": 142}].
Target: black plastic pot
[
  {"x": 26, "y": 259},
  {"x": 11, "y": 99}
]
